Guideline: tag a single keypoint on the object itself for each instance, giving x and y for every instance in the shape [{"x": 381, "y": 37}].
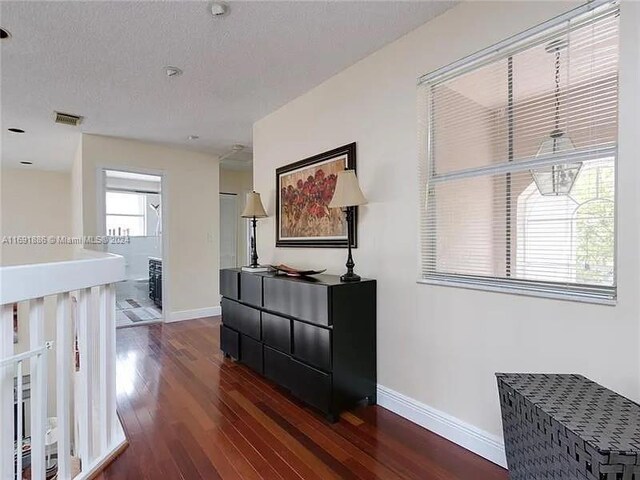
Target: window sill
[{"x": 529, "y": 291}]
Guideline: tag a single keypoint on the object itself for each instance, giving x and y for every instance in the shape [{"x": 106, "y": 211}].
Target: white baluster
[
  {"x": 6, "y": 394},
  {"x": 38, "y": 390},
  {"x": 84, "y": 411},
  {"x": 107, "y": 367},
  {"x": 110, "y": 360},
  {"x": 102, "y": 416},
  {"x": 64, "y": 366},
  {"x": 19, "y": 420}
]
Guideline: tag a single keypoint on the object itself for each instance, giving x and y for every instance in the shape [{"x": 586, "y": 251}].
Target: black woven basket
[{"x": 568, "y": 427}]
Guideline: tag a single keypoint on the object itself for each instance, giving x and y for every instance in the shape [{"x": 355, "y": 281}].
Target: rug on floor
[{"x": 131, "y": 312}]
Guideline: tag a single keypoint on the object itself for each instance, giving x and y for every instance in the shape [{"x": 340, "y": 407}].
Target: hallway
[{"x": 189, "y": 413}]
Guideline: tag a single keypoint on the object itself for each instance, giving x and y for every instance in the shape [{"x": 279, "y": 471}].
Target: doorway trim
[{"x": 101, "y": 189}]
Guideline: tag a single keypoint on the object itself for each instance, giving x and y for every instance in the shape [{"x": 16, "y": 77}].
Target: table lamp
[
  {"x": 348, "y": 195},
  {"x": 254, "y": 210}
]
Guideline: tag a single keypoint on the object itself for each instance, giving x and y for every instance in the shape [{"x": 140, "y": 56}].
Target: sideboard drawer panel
[
  {"x": 276, "y": 331},
  {"x": 312, "y": 344},
  {"x": 230, "y": 283},
  {"x": 277, "y": 367},
  {"x": 297, "y": 299},
  {"x": 230, "y": 342},
  {"x": 251, "y": 289},
  {"x": 311, "y": 385},
  {"x": 251, "y": 353},
  {"x": 230, "y": 313},
  {"x": 249, "y": 320}
]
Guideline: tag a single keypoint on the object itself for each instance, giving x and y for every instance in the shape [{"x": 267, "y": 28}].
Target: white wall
[
  {"x": 191, "y": 210},
  {"x": 441, "y": 346},
  {"x": 35, "y": 203}
]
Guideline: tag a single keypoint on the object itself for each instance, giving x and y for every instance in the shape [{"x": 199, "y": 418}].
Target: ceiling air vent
[{"x": 68, "y": 119}]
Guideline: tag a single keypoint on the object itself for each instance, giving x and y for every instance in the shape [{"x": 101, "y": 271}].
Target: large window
[
  {"x": 126, "y": 214},
  {"x": 518, "y": 174}
]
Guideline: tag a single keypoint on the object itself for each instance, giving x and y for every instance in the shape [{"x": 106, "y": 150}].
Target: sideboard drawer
[
  {"x": 251, "y": 289},
  {"x": 312, "y": 344},
  {"x": 230, "y": 342},
  {"x": 297, "y": 299},
  {"x": 249, "y": 320},
  {"x": 230, "y": 313},
  {"x": 230, "y": 283},
  {"x": 276, "y": 331},
  {"x": 251, "y": 353},
  {"x": 277, "y": 367},
  {"x": 311, "y": 385}
]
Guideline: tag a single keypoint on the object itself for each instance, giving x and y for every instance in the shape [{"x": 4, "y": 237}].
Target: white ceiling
[{"x": 104, "y": 61}]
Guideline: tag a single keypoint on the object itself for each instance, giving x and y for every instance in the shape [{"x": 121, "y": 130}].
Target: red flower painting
[{"x": 304, "y": 202}]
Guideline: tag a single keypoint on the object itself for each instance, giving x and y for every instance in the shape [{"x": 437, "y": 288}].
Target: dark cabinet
[
  {"x": 311, "y": 385},
  {"x": 240, "y": 317},
  {"x": 230, "y": 284},
  {"x": 230, "y": 342},
  {"x": 306, "y": 301},
  {"x": 277, "y": 367},
  {"x": 251, "y": 353},
  {"x": 276, "y": 331},
  {"x": 314, "y": 337},
  {"x": 251, "y": 289},
  {"x": 312, "y": 344},
  {"x": 155, "y": 281}
]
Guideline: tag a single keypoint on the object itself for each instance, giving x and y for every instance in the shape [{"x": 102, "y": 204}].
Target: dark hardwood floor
[{"x": 191, "y": 414}]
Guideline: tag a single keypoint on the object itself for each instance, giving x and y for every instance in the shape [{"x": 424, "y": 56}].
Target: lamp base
[
  {"x": 350, "y": 277},
  {"x": 257, "y": 269}
]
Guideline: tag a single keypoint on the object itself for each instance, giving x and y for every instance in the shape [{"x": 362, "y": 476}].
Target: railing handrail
[{"x": 24, "y": 282}]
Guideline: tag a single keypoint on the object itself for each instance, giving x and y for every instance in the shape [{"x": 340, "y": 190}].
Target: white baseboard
[
  {"x": 195, "y": 313},
  {"x": 467, "y": 436}
]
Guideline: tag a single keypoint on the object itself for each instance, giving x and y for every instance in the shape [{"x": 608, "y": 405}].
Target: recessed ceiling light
[
  {"x": 219, "y": 9},
  {"x": 172, "y": 71},
  {"x": 4, "y": 33},
  {"x": 26, "y": 163},
  {"x": 193, "y": 137},
  {"x": 15, "y": 130}
]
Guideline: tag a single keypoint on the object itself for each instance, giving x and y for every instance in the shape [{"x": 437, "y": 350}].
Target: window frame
[{"x": 604, "y": 295}]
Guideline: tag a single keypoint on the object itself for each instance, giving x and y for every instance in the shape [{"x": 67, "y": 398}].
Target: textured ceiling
[{"x": 104, "y": 61}]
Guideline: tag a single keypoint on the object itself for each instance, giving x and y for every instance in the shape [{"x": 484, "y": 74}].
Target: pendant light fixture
[{"x": 556, "y": 179}]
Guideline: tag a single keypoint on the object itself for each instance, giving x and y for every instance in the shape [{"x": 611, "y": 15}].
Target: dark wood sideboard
[
  {"x": 155, "y": 281},
  {"x": 314, "y": 337}
]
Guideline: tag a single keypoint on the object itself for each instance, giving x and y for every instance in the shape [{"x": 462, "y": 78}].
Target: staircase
[{"x": 66, "y": 355}]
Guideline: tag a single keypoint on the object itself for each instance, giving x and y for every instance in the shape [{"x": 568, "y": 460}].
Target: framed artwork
[{"x": 304, "y": 190}]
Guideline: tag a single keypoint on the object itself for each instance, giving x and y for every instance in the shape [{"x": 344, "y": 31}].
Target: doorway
[
  {"x": 133, "y": 220},
  {"x": 228, "y": 230}
]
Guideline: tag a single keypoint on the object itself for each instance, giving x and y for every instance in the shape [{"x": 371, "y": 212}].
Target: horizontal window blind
[{"x": 518, "y": 174}]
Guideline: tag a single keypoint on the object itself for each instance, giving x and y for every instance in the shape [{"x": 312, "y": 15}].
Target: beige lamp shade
[
  {"x": 254, "y": 207},
  {"x": 347, "y": 192}
]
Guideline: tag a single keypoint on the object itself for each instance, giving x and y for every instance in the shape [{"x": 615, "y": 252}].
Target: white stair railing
[
  {"x": 88, "y": 429},
  {"x": 14, "y": 366}
]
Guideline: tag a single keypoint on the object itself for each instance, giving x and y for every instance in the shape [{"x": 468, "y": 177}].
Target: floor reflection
[
  {"x": 126, "y": 373},
  {"x": 137, "y": 366}
]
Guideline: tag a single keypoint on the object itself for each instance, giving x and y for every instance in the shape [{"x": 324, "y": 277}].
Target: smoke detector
[
  {"x": 219, "y": 9},
  {"x": 68, "y": 119},
  {"x": 172, "y": 71}
]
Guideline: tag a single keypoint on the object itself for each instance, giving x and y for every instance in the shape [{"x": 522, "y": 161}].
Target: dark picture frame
[{"x": 346, "y": 153}]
